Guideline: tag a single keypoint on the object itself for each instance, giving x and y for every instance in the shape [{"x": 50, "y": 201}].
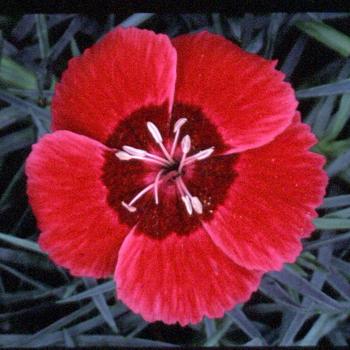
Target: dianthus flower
[{"x": 180, "y": 166}]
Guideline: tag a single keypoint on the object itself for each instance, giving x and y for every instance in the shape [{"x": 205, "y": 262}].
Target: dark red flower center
[{"x": 167, "y": 175}]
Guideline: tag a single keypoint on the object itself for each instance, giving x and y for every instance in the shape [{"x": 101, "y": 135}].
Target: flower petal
[
  {"x": 180, "y": 278},
  {"x": 79, "y": 230},
  {"x": 127, "y": 70},
  {"x": 272, "y": 201},
  {"x": 240, "y": 92}
]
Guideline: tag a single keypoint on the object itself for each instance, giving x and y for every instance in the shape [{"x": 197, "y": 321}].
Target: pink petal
[
  {"x": 129, "y": 69},
  {"x": 79, "y": 230},
  {"x": 180, "y": 278},
  {"x": 242, "y": 93},
  {"x": 271, "y": 203}
]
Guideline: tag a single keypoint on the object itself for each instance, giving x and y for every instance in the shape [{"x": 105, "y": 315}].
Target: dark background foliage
[{"x": 307, "y": 303}]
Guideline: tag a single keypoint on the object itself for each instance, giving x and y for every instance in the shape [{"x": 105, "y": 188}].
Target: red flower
[{"x": 180, "y": 166}]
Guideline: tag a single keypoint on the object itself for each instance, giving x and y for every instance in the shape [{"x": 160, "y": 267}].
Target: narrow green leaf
[
  {"x": 118, "y": 341},
  {"x": 13, "y": 74},
  {"x": 222, "y": 330},
  {"x": 20, "y": 242},
  {"x": 62, "y": 322},
  {"x": 336, "y": 201},
  {"x": 42, "y": 34},
  {"x": 9, "y": 115},
  {"x": 343, "y": 213},
  {"x": 69, "y": 342},
  {"x": 336, "y": 88},
  {"x": 304, "y": 287},
  {"x": 16, "y": 140},
  {"x": 339, "y": 283},
  {"x": 217, "y": 23},
  {"x": 332, "y": 224},
  {"x": 102, "y": 306},
  {"x": 74, "y": 48},
  {"x": 323, "y": 242},
  {"x": 136, "y": 19},
  {"x": 23, "y": 277},
  {"x": 294, "y": 56},
  {"x": 6, "y": 195},
  {"x": 245, "y": 324},
  {"x": 327, "y": 35},
  {"x": 25, "y": 106},
  {"x": 324, "y": 324},
  {"x": 209, "y": 326},
  {"x": 340, "y": 119},
  {"x": 101, "y": 288}
]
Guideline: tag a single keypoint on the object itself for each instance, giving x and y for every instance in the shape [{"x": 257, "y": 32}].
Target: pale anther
[
  {"x": 129, "y": 207},
  {"x": 154, "y": 132},
  {"x": 197, "y": 205},
  {"x": 186, "y": 144},
  {"x": 179, "y": 124},
  {"x": 123, "y": 155},
  {"x": 134, "y": 151},
  {"x": 187, "y": 203}
]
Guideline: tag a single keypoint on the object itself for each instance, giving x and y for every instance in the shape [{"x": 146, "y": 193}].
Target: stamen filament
[
  {"x": 156, "y": 186},
  {"x": 142, "y": 153},
  {"x": 159, "y": 140},
  {"x": 166, "y": 153},
  {"x": 200, "y": 155},
  {"x": 192, "y": 203},
  {"x": 126, "y": 156},
  {"x": 177, "y": 128}
]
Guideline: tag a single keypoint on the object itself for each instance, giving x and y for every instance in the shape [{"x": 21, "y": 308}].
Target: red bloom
[{"x": 180, "y": 166}]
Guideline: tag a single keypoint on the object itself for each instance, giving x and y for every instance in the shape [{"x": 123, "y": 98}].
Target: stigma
[{"x": 170, "y": 168}]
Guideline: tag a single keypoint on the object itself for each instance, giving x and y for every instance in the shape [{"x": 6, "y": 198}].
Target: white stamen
[
  {"x": 154, "y": 132},
  {"x": 134, "y": 151},
  {"x": 186, "y": 144},
  {"x": 123, "y": 155},
  {"x": 177, "y": 128},
  {"x": 141, "y": 154},
  {"x": 200, "y": 155},
  {"x": 158, "y": 138},
  {"x": 192, "y": 203},
  {"x": 179, "y": 124},
  {"x": 129, "y": 207},
  {"x": 156, "y": 185},
  {"x": 126, "y": 156},
  {"x": 205, "y": 153},
  {"x": 197, "y": 205},
  {"x": 187, "y": 203}
]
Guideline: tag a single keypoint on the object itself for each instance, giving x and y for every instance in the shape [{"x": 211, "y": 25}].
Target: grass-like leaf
[
  {"x": 101, "y": 288},
  {"x": 320, "y": 328},
  {"x": 327, "y": 35},
  {"x": 102, "y": 306},
  {"x": 325, "y": 242},
  {"x": 332, "y": 224},
  {"x": 243, "y": 322},
  {"x": 14, "y": 74},
  {"x": 42, "y": 35},
  {"x": 220, "y": 333},
  {"x": 336, "y": 201},
  {"x": 20, "y": 242},
  {"x": 16, "y": 140},
  {"x": 294, "y": 56},
  {"x": 62, "y": 322},
  {"x": 66, "y": 38},
  {"x": 304, "y": 287},
  {"x": 336, "y": 88},
  {"x": 24, "y": 278},
  {"x": 136, "y": 19}
]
